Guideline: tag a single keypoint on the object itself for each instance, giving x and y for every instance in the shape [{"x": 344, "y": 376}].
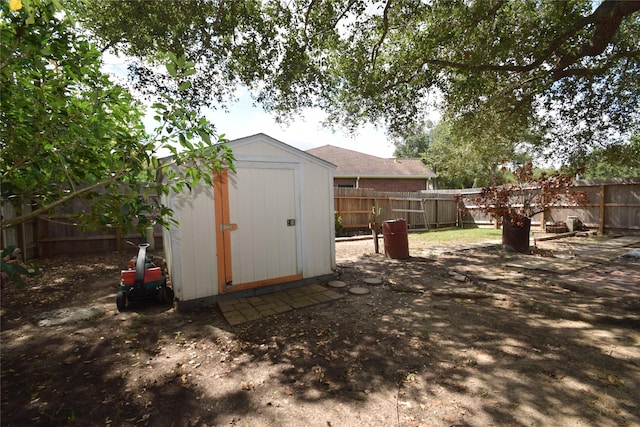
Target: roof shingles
[{"x": 353, "y": 163}]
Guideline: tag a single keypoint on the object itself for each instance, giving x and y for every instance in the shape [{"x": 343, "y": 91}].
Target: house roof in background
[{"x": 353, "y": 163}]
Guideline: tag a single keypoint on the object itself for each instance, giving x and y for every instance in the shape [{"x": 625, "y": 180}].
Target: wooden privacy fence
[
  {"x": 614, "y": 207},
  {"x": 50, "y": 235},
  {"x": 22, "y": 235},
  {"x": 54, "y": 237},
  {"x": 55, "y": 234},
  {"x": 356, "y": 208}
]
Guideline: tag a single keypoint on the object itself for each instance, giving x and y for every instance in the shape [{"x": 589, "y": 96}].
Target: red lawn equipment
[{"x": 145, "y": 279}]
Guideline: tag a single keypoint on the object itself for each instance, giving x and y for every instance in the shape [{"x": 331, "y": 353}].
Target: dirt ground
[{"x": 450, "y": 338}]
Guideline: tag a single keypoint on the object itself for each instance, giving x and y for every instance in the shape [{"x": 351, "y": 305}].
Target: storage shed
[{"x": 266, "y": 226}]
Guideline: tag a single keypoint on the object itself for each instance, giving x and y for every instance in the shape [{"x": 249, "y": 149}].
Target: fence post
[
  {"x": 118, "y": 239},
  {"x": 601, "y": 211},
  {"x": 43, "y": 232}
]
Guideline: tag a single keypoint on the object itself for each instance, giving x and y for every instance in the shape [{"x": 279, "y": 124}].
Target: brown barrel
[
  {"x": 396, "y": 243},
  {"x": 516, "y": 236}
]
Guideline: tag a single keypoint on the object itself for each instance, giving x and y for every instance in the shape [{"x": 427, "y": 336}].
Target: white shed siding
[
  {"x": 193, "y": 245},
  {"x": 318, "y": 231},
  {"x": 273, "y": 183}
]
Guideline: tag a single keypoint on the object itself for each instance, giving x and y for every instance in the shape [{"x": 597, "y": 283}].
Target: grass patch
[{"x": 458, "y": 235}]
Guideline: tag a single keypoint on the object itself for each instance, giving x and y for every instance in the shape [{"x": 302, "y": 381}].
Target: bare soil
[{"x": 424, "y": 348}]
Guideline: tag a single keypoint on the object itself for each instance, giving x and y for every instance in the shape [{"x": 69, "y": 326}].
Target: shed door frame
[{"x": 224, "y": 225}]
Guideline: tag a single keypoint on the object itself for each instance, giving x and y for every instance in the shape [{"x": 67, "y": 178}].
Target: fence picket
[{"x": 614, "y": 208}]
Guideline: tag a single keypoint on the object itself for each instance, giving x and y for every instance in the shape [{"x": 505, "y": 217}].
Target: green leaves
[
  {"x": 70, "y": 133},
  {"x": 614, "y": 161},
  {"x": 565, "y": 71},
  {"x": 171, "y": 69},
  {"x": 11, "y": 266}
]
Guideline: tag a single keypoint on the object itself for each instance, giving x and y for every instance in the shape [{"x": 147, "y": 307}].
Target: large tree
[
  {"x": 614, "y": 161},
  {"x": 415, "y": 142},
  {"x": 462, "y": 162},
  {"x": 230, "y": 42},
  {"x": 69, "y": 132},
  {"x": 566, "y": 71}
]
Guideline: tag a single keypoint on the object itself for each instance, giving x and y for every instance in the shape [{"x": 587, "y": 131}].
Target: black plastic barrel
[{"x": 396, "y": 242}]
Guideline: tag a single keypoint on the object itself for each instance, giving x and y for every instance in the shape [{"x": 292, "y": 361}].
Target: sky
[
  {"x": 242, "y": 118},
  {"x": 304, "y": 132}
]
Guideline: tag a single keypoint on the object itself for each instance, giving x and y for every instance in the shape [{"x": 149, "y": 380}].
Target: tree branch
[
  {"x": 607, "y": 18},
  {"x": 481, "y": 67},
  {"x": 106, "y": 47},
  {"x": 306, "y": 21},
  {"x": 589, "y": 72},
  {"x": 385, "y": 30},
  {"x": 6, "y": 223},
  {"x": 64, "y": 168},
  {"x": 335, "y": 21},
  {"x": 25, "y": 160}
]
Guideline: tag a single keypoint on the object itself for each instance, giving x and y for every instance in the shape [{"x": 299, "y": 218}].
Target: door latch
[{"x": 225, "y": 227}]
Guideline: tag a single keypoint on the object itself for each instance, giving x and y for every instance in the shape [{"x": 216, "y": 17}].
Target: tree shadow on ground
[{"x": 412, "y": 352}]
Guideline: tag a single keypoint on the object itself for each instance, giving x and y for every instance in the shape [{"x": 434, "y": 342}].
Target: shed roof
[
  {"x": 261, "y": 137},
  {"x": 353, "y": 163}
]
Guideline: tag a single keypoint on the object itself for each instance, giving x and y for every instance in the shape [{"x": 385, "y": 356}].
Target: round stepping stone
[
  {"x": 356, "y": 290},
  {"x": 337, "y": 284},
  {"x": 372, "y": 281},
  {"x": 490, "y": 277}
]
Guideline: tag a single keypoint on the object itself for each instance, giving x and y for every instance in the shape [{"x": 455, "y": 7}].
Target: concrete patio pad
[
  {"x": 620, "y": 277},
  {"x": 583, "y": 253},
  {"x": 237, "y": 311},
  {"x": 553, "y": 265}
]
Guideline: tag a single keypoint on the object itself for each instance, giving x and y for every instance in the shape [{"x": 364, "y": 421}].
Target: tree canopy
[
  {"x": 561, "y": 76},
  {"x": 613, "y": 161},
  {"x": 567, "y": 71},
  {"x": 415, "y": 142},
  {"x": 460, "y": 162},
  {"x": 69, "y": 132}
]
